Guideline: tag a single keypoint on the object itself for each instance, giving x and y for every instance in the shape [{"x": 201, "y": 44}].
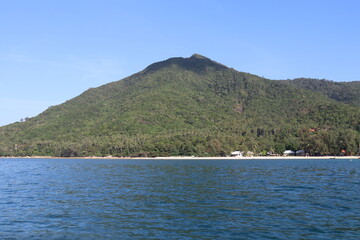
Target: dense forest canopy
[{"x": 194, "y": 107}]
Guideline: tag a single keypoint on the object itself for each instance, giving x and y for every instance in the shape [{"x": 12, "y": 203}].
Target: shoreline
[{"x": 189, "y": 158}]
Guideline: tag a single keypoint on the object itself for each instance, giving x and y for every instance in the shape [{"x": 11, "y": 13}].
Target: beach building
[
  {"x": 300, "y": 153},
  {"x": 250, "y": 154},
  {"x": 288, "y": 153},
  {"x": 236, "y": 154}
]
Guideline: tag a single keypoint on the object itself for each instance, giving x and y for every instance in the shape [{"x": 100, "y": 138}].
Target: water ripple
[{"x": 107, "y": 199}]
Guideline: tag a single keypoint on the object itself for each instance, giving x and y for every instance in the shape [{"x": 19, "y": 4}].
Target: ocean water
[{"x": 179, "y": 199}]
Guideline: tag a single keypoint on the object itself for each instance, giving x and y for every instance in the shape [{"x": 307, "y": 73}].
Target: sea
[{"x": 179, "y": 199}]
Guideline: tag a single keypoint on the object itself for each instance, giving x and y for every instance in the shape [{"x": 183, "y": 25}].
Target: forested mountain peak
[
  {"x": 193, "y": 106},
  {"x": 196, "y": 63}
]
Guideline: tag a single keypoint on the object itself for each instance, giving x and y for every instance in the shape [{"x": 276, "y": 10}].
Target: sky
[{"x": 52, "y": 51}]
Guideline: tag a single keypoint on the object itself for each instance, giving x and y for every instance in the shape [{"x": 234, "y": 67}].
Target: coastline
[{"x": 189, "y": 158}]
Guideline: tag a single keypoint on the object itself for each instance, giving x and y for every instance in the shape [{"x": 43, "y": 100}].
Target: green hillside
[
  {"x": 347, "y": 92},
  {"x": 189, "y": 106}
]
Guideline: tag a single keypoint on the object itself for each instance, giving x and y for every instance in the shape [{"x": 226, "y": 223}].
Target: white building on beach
[
  {"x": 236, "y": 154},
  {"x": 288, "y": 152}
]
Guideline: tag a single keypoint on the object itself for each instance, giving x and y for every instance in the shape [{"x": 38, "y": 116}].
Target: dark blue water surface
[{"x": 174, "y": 199}]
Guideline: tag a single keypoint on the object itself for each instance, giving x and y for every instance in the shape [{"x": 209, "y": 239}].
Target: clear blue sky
[{"x": 51, "y": 51}]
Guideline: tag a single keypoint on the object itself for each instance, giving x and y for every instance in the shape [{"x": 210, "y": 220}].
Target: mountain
[{"x": 190, "y": 106}]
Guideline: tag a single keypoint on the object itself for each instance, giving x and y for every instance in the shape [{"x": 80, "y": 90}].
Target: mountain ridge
[{"x": 347, "y": 92}]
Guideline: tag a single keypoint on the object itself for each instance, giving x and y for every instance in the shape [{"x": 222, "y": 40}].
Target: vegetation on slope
[
  {"x": 189, "y": 106},
  {"x": 347, "y": 92}
]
